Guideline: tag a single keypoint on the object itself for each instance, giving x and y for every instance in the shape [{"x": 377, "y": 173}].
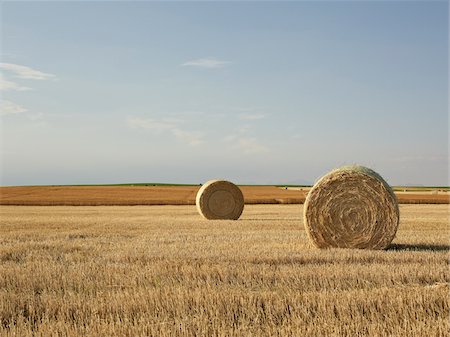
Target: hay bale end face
[
  {"x": 351, "y": 207},
  {"x": 220, "y": 200}
]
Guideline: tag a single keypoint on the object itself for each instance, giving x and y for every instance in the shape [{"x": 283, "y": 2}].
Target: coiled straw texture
[
  {"x": 220, "y": 200},
  {"x": 351, "y": 207}
]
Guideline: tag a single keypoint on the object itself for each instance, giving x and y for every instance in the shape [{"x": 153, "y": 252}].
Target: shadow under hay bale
[{"x": 419, "y": 247}]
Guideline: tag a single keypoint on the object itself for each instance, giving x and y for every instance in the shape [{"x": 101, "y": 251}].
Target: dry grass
[
  {"x": 168, "y": 195},
  {"x": 164, "y": 271}
]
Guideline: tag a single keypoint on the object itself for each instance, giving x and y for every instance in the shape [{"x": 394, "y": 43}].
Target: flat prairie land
[
  {"x": 171, "y": 195},
  {"x": 134, "y": 195},
  {"x": 165, "y": 271}
]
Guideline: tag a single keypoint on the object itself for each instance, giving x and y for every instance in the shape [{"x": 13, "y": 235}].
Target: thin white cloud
[
  {"x": 206, "y": 63},
  {"x": 251, "y": 117},
  {"x": 10, "y": 108},
  {"x": 150, "y": 124},
  {"x": 167, "y": 125},
  {"x": 251, "y": 146},
  {"x": 191, "y": 138},
  {"x": 242, "y": 141},
  {"x": 38, "y": 116},
  {"x": 9, "y": 85},
  {"x": 25, "y": 72},
  {"x": 246, "y": 109},
  {"x": 245, "y": 144}
]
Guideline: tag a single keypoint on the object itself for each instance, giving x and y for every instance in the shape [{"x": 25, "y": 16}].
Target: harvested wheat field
[
  {"x": 173, "y": 195},
  {"x": 134, "y": 195},
  {"x": 165, "y": 271}
]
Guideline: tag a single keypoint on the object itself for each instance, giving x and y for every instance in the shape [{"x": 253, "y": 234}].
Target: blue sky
[{"x": 253, "y": 92}]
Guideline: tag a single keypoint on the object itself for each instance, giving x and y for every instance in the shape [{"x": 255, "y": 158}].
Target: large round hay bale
[
  {"x": 220, "y": 200},
  {"x": 351, "y": 207}
]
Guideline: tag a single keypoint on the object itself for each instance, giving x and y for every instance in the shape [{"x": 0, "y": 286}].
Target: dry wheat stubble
[
  {"x": 159, "y": 271},
  {"x": 351, "y": 207},
  {"x": 220, "y": 200}
]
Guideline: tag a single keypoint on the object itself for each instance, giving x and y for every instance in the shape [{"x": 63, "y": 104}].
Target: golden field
[
  {"x": 164, "y": 271},
  {"x": 176, "y": 195}
]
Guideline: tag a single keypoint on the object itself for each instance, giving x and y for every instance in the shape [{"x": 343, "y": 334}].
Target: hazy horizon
[{"x": 251, "y": 92}]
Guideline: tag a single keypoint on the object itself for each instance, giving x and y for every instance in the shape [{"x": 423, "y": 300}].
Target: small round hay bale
[
  {"x": 351, "y": 207},
  {"x": 220, "y": 200}
]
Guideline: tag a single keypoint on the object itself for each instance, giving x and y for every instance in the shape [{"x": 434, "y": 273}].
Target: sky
[{"x": 252, "y": 92}]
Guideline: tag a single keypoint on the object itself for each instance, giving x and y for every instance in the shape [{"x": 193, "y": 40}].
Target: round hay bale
[
  {"x": 351, "y": 207},
  {"x": 220, "y": 200}
]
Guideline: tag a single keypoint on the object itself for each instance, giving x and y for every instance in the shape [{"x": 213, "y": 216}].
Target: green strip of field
[{"x": 396, "y": 188}]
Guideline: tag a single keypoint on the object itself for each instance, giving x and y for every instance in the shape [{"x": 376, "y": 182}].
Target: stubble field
[
  {"x": 176, "y": 195},
  {"x": 164, "y": 271}
]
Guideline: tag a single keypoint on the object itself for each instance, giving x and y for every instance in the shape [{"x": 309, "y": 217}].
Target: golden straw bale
[
  {"x": 220, "y": 200},
  {"x": 351, "y": 207}
]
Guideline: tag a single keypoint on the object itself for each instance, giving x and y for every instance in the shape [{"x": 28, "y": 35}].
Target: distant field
[
  {"x": 164, "y": 271},
  {"x": 173, "y": 195}
]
